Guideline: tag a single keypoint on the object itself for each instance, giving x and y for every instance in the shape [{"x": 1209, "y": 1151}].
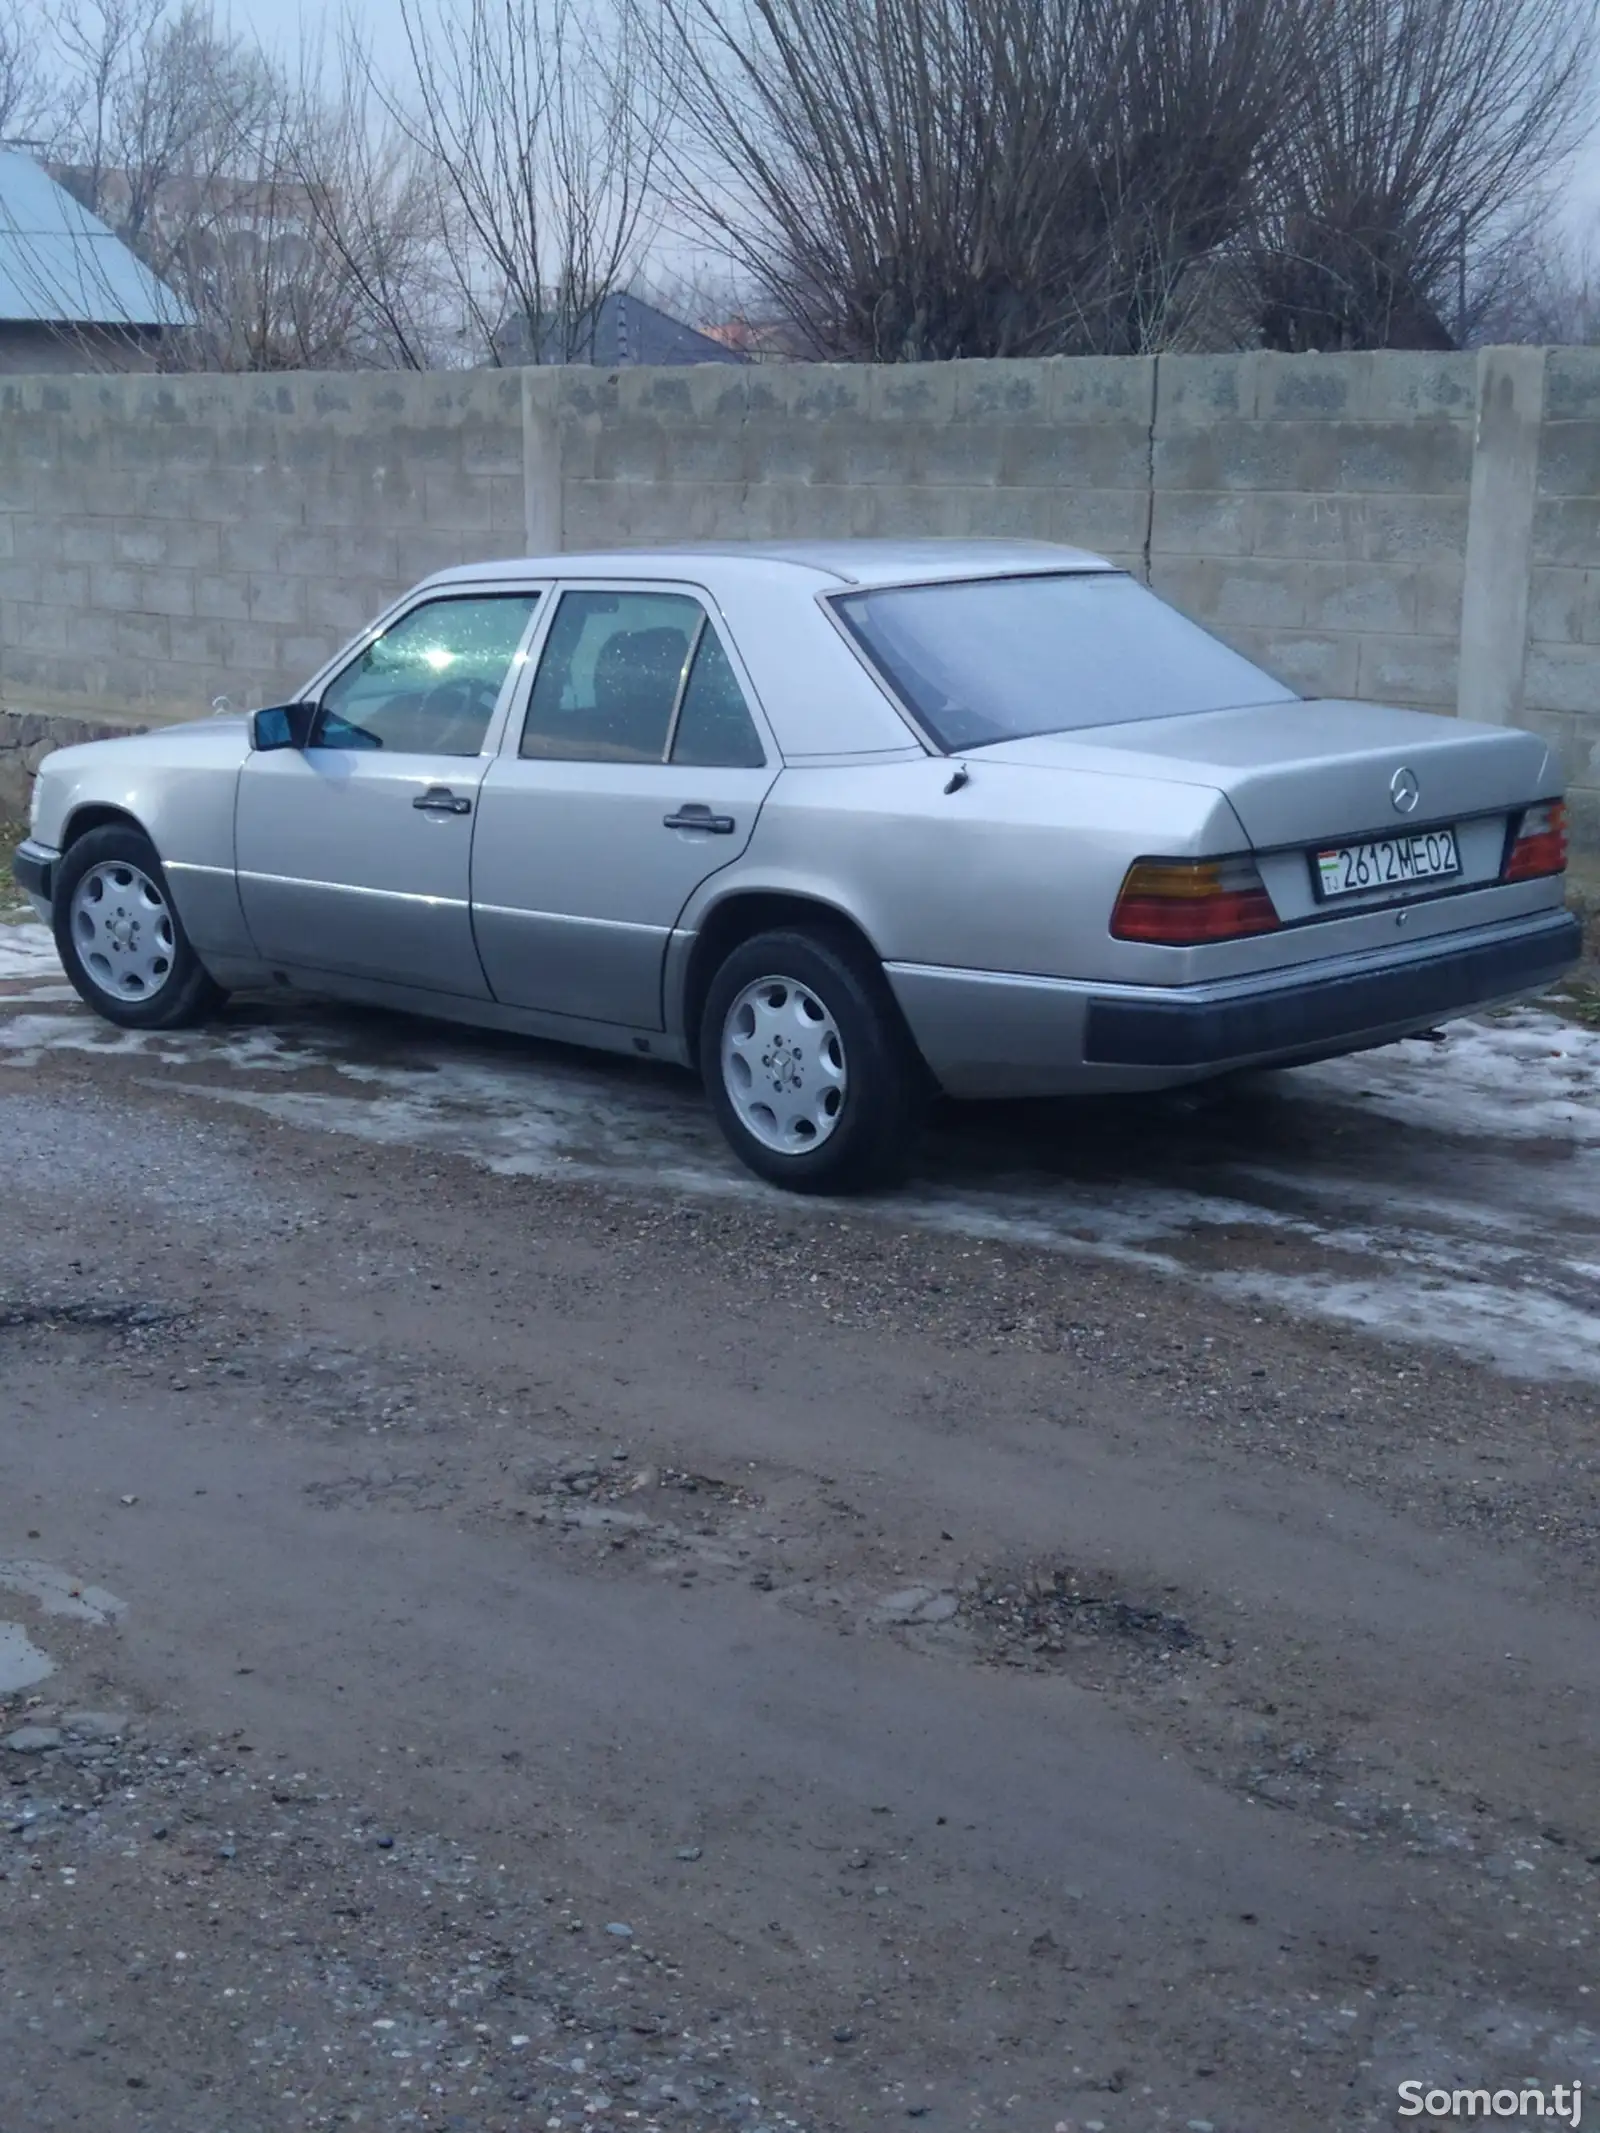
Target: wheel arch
[
  {"x": 99, "y": 814},
  {"x": 740, "y": 916}
]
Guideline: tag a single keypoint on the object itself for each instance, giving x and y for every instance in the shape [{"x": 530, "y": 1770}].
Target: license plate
[{"x": 1385, "y": 863}]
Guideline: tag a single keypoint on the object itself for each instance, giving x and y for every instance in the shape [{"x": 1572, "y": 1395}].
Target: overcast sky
[{"x": 281, "y": 23}]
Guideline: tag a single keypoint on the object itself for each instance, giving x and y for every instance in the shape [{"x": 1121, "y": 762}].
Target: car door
[
  {"x": 639, "y": 768},
  {"x": 354, "y": 854}
]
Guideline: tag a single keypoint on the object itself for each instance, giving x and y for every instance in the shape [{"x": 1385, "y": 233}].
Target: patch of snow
[
  {"x": 249, "y": 1048},
  {"x": 1521, "y": 1330},
  {"x": 535, "y": 1123},
  {"x": 1526, "y": 1076},
  {"x": 527, "y": 1138},
  {"x": 28, "y": 951},
  {"x": 29, "y": 1036},
  {"x": 1456, "y": 1230}
]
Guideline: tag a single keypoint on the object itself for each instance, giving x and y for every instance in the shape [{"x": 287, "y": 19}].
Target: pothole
[
  {"x": 1046, "y": 1617},
  {"x": 51, "y": 1312}
]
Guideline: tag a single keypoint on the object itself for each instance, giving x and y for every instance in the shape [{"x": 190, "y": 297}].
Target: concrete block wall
[
  {"x": 1044, "y": 450},
  {"x": 1313, "y": 510},
  {"x": 166, "y": 540},
  {"x": 1561, "y": 676},
  {"x": 1422, "y": 529}
]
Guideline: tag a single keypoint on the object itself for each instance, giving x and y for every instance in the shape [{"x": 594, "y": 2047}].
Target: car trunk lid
[{"x": 1305, "y": 772}]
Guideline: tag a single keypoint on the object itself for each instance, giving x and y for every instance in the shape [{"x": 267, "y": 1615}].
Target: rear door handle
[
  {"x": 697, "y": 816},
  {"x": 440, "y": 800}
]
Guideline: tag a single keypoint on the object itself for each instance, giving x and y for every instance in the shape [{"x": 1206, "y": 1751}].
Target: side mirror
[{"x": 282, "y": 726}]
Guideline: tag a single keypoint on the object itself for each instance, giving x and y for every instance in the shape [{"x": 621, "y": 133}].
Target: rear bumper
[
  {"x": 1302, "y": 1014},
  {"x": 993, "y": 1034},
  {"x": 33, "y": 870}
]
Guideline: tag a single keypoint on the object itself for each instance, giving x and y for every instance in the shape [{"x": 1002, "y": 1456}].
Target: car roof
[{"x": 843, "y": 562}]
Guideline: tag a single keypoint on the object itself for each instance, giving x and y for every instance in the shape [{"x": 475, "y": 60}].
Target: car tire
[
  {"x": 811, "y": 1072},
  {"x": 120, "y": 938}
]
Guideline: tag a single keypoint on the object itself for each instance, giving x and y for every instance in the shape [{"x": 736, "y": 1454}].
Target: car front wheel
[
  {"x": 120, "y": 938},
  {"x": 809, "y": 1068}
]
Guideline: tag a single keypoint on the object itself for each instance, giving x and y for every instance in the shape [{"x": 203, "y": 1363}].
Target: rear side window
[
  {"x": 637, "y": 677},
  {"x": 610, "y": 677},
  {"x": 715, "y": 729},
  {"x": 1000, "y": 659}
]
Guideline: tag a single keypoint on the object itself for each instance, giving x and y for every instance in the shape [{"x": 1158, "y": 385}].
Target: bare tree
[
  {"x": 926, "y": 178},
  {"x": 1401, "y": 200},
  {"x": 376, "y": 203},
  {"x": 1549, "y": 295},
  {"x": 293, "y": 229},
  {"x": 285, "y": 272},
  {"x": 544, "y": 122},
  {"x": 21, "y": 78},
  {"x": 154, "y": 107}
]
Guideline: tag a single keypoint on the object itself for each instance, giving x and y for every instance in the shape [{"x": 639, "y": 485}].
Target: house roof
[
  {"x": 61, "y": 266},
  {"x": 626, "y": 330}
]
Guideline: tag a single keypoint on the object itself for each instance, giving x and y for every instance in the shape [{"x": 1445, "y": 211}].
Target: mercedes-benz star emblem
[{"x": 1404, "y": 790}]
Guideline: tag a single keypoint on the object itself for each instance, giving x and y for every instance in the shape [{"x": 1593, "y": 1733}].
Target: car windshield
[{"x": 998, "y": 659}]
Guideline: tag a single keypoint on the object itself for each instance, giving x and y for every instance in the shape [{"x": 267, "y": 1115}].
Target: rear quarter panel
[
  {"x": 1018, "y": 871},
  {"x": 1014, "y": 871}
]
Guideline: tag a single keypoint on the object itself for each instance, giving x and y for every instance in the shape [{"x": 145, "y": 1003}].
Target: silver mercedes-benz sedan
[{"x": 841, "y": 824}]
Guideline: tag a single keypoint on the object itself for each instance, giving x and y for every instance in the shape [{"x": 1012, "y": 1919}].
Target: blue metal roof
[
  {"x": 61, "y": 266},
  {"x": 624, "y": 330}
]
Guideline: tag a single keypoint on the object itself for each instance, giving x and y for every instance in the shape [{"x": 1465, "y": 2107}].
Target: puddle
[
  {"x": 58, "y": 1592},
  {"x": 21, "y": 1661}
]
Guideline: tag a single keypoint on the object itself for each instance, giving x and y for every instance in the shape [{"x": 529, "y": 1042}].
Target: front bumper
[
  {"x": 990, "y": 1034},
  {"x": 33, "y": 870}
]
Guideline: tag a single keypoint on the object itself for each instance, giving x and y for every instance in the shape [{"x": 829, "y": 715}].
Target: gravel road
[{"x": 506, "y": 1624}]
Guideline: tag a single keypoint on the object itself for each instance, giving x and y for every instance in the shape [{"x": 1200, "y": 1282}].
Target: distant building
[
  {"x": 625, "y": 330},
  {"x": 72, "y": 295},
  {"x": 216, "y": 222},
  {"x": 760, "y": 340}
]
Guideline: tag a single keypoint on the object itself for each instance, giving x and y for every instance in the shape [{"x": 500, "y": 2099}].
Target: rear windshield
[{"x": 999, "y": 659}]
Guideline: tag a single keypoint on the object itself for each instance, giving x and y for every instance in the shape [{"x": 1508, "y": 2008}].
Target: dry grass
[{"x": 13, "y": 904}]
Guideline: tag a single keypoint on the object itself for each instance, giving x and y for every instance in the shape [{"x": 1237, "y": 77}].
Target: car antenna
[{"x": 960, "y": 776}]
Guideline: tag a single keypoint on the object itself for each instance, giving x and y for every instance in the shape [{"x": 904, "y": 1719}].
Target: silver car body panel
[
  {"x": 998, "y": 875},
  {"x": 1313, "y": 769},
  {"x": 341, "y": 873},
  {"x": 995, "y": 1033},
  {"x": 565, "y": 906},
  {"x": 179, "y": 784},
  {"x": 577, "y": 879}
]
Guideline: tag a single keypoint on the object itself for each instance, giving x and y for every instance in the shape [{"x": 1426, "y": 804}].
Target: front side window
[
  {"x": 429, "y": 684},
  {"x": 637, "y": 677},
  {"x": 999, "y": 659}
]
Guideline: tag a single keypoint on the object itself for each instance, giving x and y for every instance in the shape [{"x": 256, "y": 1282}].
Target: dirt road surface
[{"x": 507, "y": 1624}]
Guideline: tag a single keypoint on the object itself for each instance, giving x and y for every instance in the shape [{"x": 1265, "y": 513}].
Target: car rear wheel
[
  {"x": 810, "y": 1071},
  {"x": 121, "y": 939}
]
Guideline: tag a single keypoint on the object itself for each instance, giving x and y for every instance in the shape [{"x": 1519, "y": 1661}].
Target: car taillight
[
  {"x": 1540, "y": 845},
  {"x": 1183, "y": 902}
]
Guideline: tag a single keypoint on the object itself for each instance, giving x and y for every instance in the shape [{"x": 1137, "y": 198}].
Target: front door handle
[
  {"x": 440, "y": 800},
  {"x": 697, "y": 816}
]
